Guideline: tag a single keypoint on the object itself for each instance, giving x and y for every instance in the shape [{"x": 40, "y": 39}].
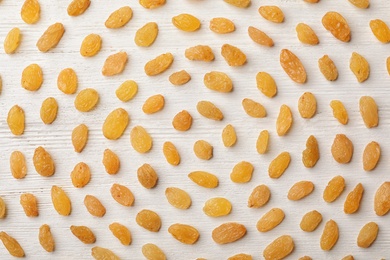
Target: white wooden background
[{"x": 56, "y": 137}]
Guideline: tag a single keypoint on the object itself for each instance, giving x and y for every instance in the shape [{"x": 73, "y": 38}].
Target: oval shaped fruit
[
  {"x": 336, "y": 24},
  {"x": 153, "y": 104},
  {"x": 259, "y": 196},
  {"x": 217, "y": 207},
  {"x": 79, "y": 137},
  {"x": 178, "y": 198},
  {"x": 272, "y": 13},
  {"x": 279, "y": 165},
  {"x": 382, "y": 199},
  {"x": 12, "y": 40},
  {"x": 253, "y": 108},
  {"x": 360, "y": 3},
  {"x": 348, "y": 257},
  {"x": 229, "y": 136},
  {"x": 228, "y": 233},
  {"x": 270, "y": 220},
  {"x": 146, "y": 35},
  {"x": 111, "y": 161},
  {"x": 369, "y": 111},
  {"x": 307, "y": 105},
  {"x": 310, "y": 221},
  {"x": 159, "y": 64},
  {"x": 119, "y": 18},
  {"x": 209, "y": 110},
  {"x": 94, "y": 206},
  {"x": 127, "y": 90},
  {"x": 86, "y": 100},
  {"x": 300, "y": 190},
  {"x": 329, "y": 236},
  {"x": 186, "y": 22},
  {"x": 371, "y": 156},
  {"x": 233, "y": 55},
  {"x": 199, "y": 53},
  {"x": 122, "y": 195},
  {"x": 279, "y": 248},
  {"x": 328, "y": 68},
  {"x": 32, "y": 77},
  {"x": 204, "y": 179},
  {"x": 359, "y": 66},
  {"x": 51, "y": 37},
  {"x": 46, "y": 238},
  {"x": 182, "y": 121},
  {"x": 306, "y": 34},
  {"x": 380, "y": 29},
  {"x": 339, "y": 111},
  {"x": 184, "y": 233},
  {"x": 12, "y": 245},
  {"x": 49, "y": 110},
  {"x": 78, "y": 7},
  {"x": 114, "y": 64},
  {"x": 81, "y": 175},
  {"x": 367, "y": 235},
  {"x": 342, "y": 149},
  {"x": 84, "y": 234},
  {"x": 352, "y": 201},
  {"x": 140, "y": 139},
  {"x": 179, "y": 78},
  {"x": 61, "y": 201},
  {"x": 260, "y": 37},
  {"x": 153, "y": 252},
  {"x": 18, "y": 165},
  {"x": 151, "y": 4},
  {"x": 171, "y": 153},
  {"x": 91, "y": 45},
  {"x": 284, "y": 120},
  {"x": 3, "y": 208},
  {"x": 311, "y": 154},
  {"x": 147, "y": 176},
  {"x": 16, "y": 120},
  {"x": 43, "y": 162},
  {"x": 262, "y": 142},
  {"x": 31, "y": 11},
  {"x": 101, "y": 253},
  {"x": 239, "y": 3},
  {"x": 334, "y": 189},
  {"x": 242, "y": 172},
  {"x": 121, "y": 232},
  {"x": 218, "y": 81},
  {"x": 221, "y": 25},
  {"x": 67, "y": 81},
  {"x": 30, "y": 204},
  {"x": 149, "y": 220},
  {"x": 266, "y": 84},
  {"x": 293, "y": 66},
  {"x": 115, "y": 124},
  {"x": 203, "y": 150}
]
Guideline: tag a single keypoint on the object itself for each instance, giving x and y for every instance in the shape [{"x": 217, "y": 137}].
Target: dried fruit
[
  {"x": 30, "y": 204},
  {"x": 307, "y": 105},
  {"x": 151, "y": 4},
  {"x": 328, "y": 68},
  {"x": 186, "y": 22},
  {"x": 153, "y": 252},
  {"x": 140, "y": 139},
  {"x": 279, "y": 165},
  {"x": 271, "y": 13},
  {"x": 336, "y": 24},
  {"x": 51, "y": 37},
  {"x": 18, "y": 165},
  {"x": 242, "y": 172},
  {"x": 240, "y": 257},
  {"x": 217, "y": 207},
  {"x": 222, "y": 25},
  {"x": 253, "y": 108},
  {"x": 300, "y": 190},
  {"x": 359, "y": 66},
  {"x": 270, "y": 220},
  {"x": 380, "y": 29},
  {"x": 111, "y": 161},
  {"x": 178, "y": 198},
  {"x": 360, "y": 3},
  {"x": 159, "y": 64},
  {"x": 371, "y": 156},
  {"x": 115, "y": 124},
  {"x": 367, "y": 235},
  {"x": 46, "y": 238},
  {"x": 94, "y": 206},
  {"x": 228, "y": 232},
  {"x": 81, "y": 175},
  {"x": 260, "y": 37},
  {"x": 119, "y": 18},
  {"x": 312, "y": 1},
  {"x": 204, "y": 179},
  {"x": 310, "y": 221},
  {"x": 279, "y": 248},
  {"x": 153, "y": 104},
  {"x": 229, "y": 137},
  {"x": 239, "y": 3},
  {"x": 284, "y": 120},
  {"x": 233, "y": 55},
  {"x": 334, "y": 189},
  {"x": 32, "y": 77},
  {"x": 149, "y": 220},
  {"x": 306, "y": 34},
  {"x": 121, "y": 232},
  {"x": 293, "y": 66},
  {"x": 182, "y": 121},
  {"x": 12, "y": 41},
  {"x": 78, "y": 7},
  {"x": 203, "y": 150},
  {"x": 209, "y": 110},
  {"x": 339, "y": 111},
  {"x": 100, "y": 253},
  {"x": 266, "y": 84},
  {"x": 49, "y": 110},
  {"x": 262, "y": 142},
  {"x": 305, "y": 258},
  {"x": 179, "y": 78},
  {"x": 84, "y": 234},
  {"x": 147, "y": 176},
  {"x": 122, "y": 195},
  {"x": 61, "y": 201},
  {"x": 184, "y": 233},
  {"x": 259, "y": 196},
  {"x": 342, "y": 149},
  {"x": 86, "y": 100},
  {"x": 67, "y": 81},
  {"x": 171, "y": 153},
  {"x": 199, "y": 53},
  {"x": 91, "y": 45},
  {"x": 15, "y": 120},
  {"x": 114, "y": 64},
  {"x": 31, "y": 11},
  {"x": 43, "y": 162},
  {"x": 329, "y": 236},
  {"x": 369, "y": 111},
  {"x": 218, "y": 81},
  {"x": 79, "y": 137},
  {"x": 348, "y": 257},
  {"x": 146, "y": 35},
  {"x": 311, "y": 154},
  {"x": 352, "y": 202},
  {"x": 3, "y": 208},
  {"x": 127, "y": 90},
  {"x": 388, "y": 64},
  {"x": 382, "y": 199},
  {"x": 12, "y": 245}
]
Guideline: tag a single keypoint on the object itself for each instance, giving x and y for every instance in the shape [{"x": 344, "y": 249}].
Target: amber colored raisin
[
  {"x": 153, "y": 252},
  {"x": 367, "y": 235},
  {"x": 359, "y": 66},
  {"x": 186, "y": 234},
  {"x": 151, "y": 4},
  {"x": 146, "y": 35},
  {"x": 242, "y": 172},
  {"x": 84, "y": 234},
  {"x": 49, "y": 110},
  {"x": 329, "y": 236},
  {"x": 186, "y": 22},
  {"x": 46, "y": 238},
  {"x": 80, "y": 137},
  {"x": 293, "y": 66},
  {"x": 233, "y": 55},
  {"x": 279, "y": 248},
  {"x": 311, "y": 154},
  {"x": 147, "y": 176},
  {"x": 140, "y": 139},
  {"x": 101, "y": 253},
  {"x": 61, "y": 201},
  {"x": 203, "y": 150},
  {"x": 16, "y": 120},
  {"x": 111, "y": 161},
  {"x": 352, "y": 202},
  {"x": 360, "y": 3},
  {"x": 31, "y": 11},
  {"x": 153, "y": 104},
  {"x": 114, "y": 64},
  {"x": 91, "y": 45},
  {"x": 119, "y": 18},
  {"x": 369, "y": 111},
  {"x": 149, "y": 220},
  {"x": 218, "y": 81},
  {"x": 67, "y": 81},
  {"x": 380, "y": 29},
  {"x": 3, "y": 208},
  {"x": 81, "y": 175},
  {"x": 18, "y": 165},
  {"x": 382, "y": 199},
  {"x": 209, "y": 110},
  {"x": 12, "y": 245},
  {"x": 217, "y": 207},
  {"x": 342, "y": 149},
  {"x": 272, "y": 13},
  {"x": 328, "y": 68},
  {"x": 199, "y": 53},
  {"x": 266, "y": 84},
  {"x": 178, "y": 198},
  {"x": 121, "y": 232},
  {"x": 260, "y": 37},
  {"x": 239, "y": 3},
  {"x": 279, "y": 165},
  {"x": 284, "y": 120},
  {"x": 222, "y": 25},
  {"x": 229, "y": 137},
  {"x": 78, "y": 7},
  {"x": 310, "y": 221},
  {"x": 300, "y": 190},
  {"x": 159, "y": 64},
  {"x": 204, "y": 179},
  {"x": 334, "y": 189},
  {"x": 12, "y": 41},
  {"x": 262, "y": 142},
  {"x": 259, "y": 196},
  {"x": 86, "y": 100},
  {"x": 371, "y": 156},
  {"x": 171, "y": 153},
  {"x": 122, "y": 195},
  {"x": 270, "y": 220},
  {"x": 127, "y": 91},
  {"x": 43, "y": 162},
  {"x": 51, "y": 37},
  {"x": 306, "y": 34},
  {"x": 30, "y": 204},
  {"x": 228, "y": 233},
  {"x": 115, "y": 124},
  {"x": 179, "y": 78},
  {"x": 337, "y": 25},
  {"x": 94, "y": 206},
  {"x": 32, "y": 77},
  {"x": 339, "y": 111}
]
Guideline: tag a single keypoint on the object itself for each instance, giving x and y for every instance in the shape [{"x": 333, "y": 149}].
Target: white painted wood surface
[{"x": 56, "y": 137}]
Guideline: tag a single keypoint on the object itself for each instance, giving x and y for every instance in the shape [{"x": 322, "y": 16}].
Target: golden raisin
[
  {"x": 61, "y": 201},
  {"x": 293, "y": 66},
  {"x": 43, "y": 162},
  {"x": 101, "y": 253},
  {"x": 3, "y": 208},
  {"x": 12, "y": 245},
  {"x": 329, "y": 236},
  {"x": 31, "y": 11},
  {"x": 310, "y": 221},
  {"x": 12, "y": 41},
  {"x": 186, "y": 22},
  {"x": 199, "y": 53},
  {"x": 311, "y": 154},
  {"x": 233, "y": 55},
  {"x": 270, "y": 220},
  {"x": 300, "y": 190},
  {"x": 266, "y": 84},
  {"x": 16, "y": 120},
  {"x": 336, "y": 24},
  {"x": 127, "y": 90},
  {"x": 260, "y": 37},
  {"x": 159, "y": 64},
  {"x": 342, "y": 149},
  {"x": 272, "y": 13},
  {"x": 171, "y": 154},
  {"x": 147, "y": 176},
  {"x": 184, "y": 233},
  {"x": 182, "y": 121},
  {"x": 218, "y": 81},
  {"x": 114, "y": 64},
  {"x": 306, "y": 34},
  {"x": 217, "y": 207},
  {"x": 339, "y": 111},
  {"x": 18, "y": 165},
  {"x": 279, "y": 248},
  {"x": 91, "y": 45},
  {"x": 253, "y": 108},
  {"x": 203, "y": 150},
  {"x": 259, "y": 196},
  {"x": 359, "y": 66},
  {"x": 119, "y": 18},
  {"x": 153, "y": 252},
  {"x": 178, "y": 198},
  {"x": 94, "y": 206},
  {"x": 30, "y": 204},
  {"x": 179, "y": 78},
  {"x": 84, "y": 234},
  {"x": 239, "y": 3},
  {"x": 122, "y": 195},
  {"x": 46, "y": 238},
  {"x": 262, "y": 142},
  {"x": 229, "y": 137},
  {"x": 121, "y": 232},
  {"x": 149, "y": 220},
  {"x": 369, "y": 111},
  {"x": 209, "y": 110},
  {"x": 111, "y": 161},
  {"x": 81, "y": 175},
  {"x": 204, "y": 179},
  {"x": 78, "y": 7},
  {"x": 352, "y": 202},
  {"x": 367, "y": 235},
  {"x": 228, "y": 233},
  {"x": 80, "y": 137},
  {"x": 242, "y": 172},
  {"x": 115, "y": 124},
  {"x": 49, "y": 110},
  {"x": 371, "y": 156},
  {"x": 32, "y": 77},
  {"x": 153, "y": 104},
  {"x": 86, "y": 100},
  {"x": 279, "y": 165},
  {"x": 334, "y": 189},
  {"x": 67, "y": 81},
  {"x": 360, "y": 3},
  {"x": 222, "y": 25},
  {"x": 51, "y": 37},
  {"x": 284, "y": 120},
  {"x": 382, "y": 199},
  {"x": 140, "y": 139},
  {"x": 146, "y": 35},
  {"x": 328, "y": 68},
  {"x": 151, "y": 4},
  {"x": 380, "y": 29}
]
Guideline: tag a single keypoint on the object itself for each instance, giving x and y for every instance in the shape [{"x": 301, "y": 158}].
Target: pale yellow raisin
[
  {"x": 204, "y": 179},
  {"x": 272, "y": 13},
  {"x": 359, "y": 66},
  {"x": 239, "y": 3},
  {"x": 101, "y": 253},
  {"x": 222, "y": 25},
  {"x": 328, "y": 68},
  {"x": 260, "y": 37},
  {"x": 339, "y": 111},
  {"x": 242, "y": 172},
  {"x": 380, "y": 29},
  {"x": 51, "y": 37},
  {"x": 32, "y": 77},
  {"x": 336, "y": 24},
  {"x": 279, "y": 248},
  {"x": 369, "y": 111},
  {"x": 199, "y": 53},
  {"x": 334, "y": 189},
  {"x": 300, "y": 190},
  {"x": 46, "y": 238},
  {"x": 284, "y": 120},
  {"x": 182, "y": 121},
  {"x": 84, "y": 234},
  {"x": 81, "y": 175},
  {"x": 171, "y": 153},
  {"x": 146, "y": 35},
  {"x": 94, "y": 206},
  {"x": 114, "y": 64},
  {"x": 266, "y": 84},
  {"x": 342, "y": 149},
  {"x": 31, "y": 11},
  {"x": 122, "y": 195},
  {"x": 279, "y": 165},
  {"x": 67, "y": 81},
  {"x": 178, "y": 198},
  {"x": 153, "y": 104},
  {"x": 78, "y": 7},
  {"x": 16, "y": 120},
  {"x": 140, "y": 140},
  {"x": 91, "y": 45},
  {"x": 307, "y": 105},
  {"x": 119, "y": 18},
  {"x": 153, "y": 252},
  {"x": 86, "y": 100},
  {"x": 3, "y": 208},
  {"x": 293, "y": 66},
  {"x": 229, "y": 137},
  {"x": 151, "y": 4},
  {"x": 233, "y": 55},
  {"x": 259, "y": 196},
  {"x": 80, "y": 137},
  {"x": 352, "y": 201},
  {"x": 306, "y": 34},
  {"x": 367, "y": 235},
  {"x": 311, "y": 154},
  {"x": 310, "y": 221},
  {"x": 12, "y": 245},
  {"x": 147, "y": 176},
  {"x": 12, "y": 41},
  {"x": 127, "y": 90},
  {"x": 149, "y": 220},
  {"x": 209, "y": 110},
  {"x": 43, "y": 162},
  {"x": 253, "y": 108},
  {"x": 382, "y": 199},
  {"x": 115, "y": 124},
  {"x": 186, "y": 234},
  {"x": 329, "y": 236},
  {"x": 159, "y": 64},
  {"x": 360, "y": 3},
  {"x": 217, "y": 207},
  {"x": 30, "y": 204},
  {"x": 186, "y": 22},
  {"x": 270, "y": 220},
  {"x": 179, "y": 78},
  {"x": 228, "y": 233},
  {"x": 49, "y": 110},
  {"x": 241, "y": 256},
  {"x": 203, "y": 150},
  {"x": 371, "y": 156},
  {"x": 262, "y": 142},
  {"x": 218, "y": 81},
  {"x": 111, "y": 161},
  {"x": 18, "y": 165},
  {"x": 61, "y": 201},
  {"x": 121, "y": 232}
]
